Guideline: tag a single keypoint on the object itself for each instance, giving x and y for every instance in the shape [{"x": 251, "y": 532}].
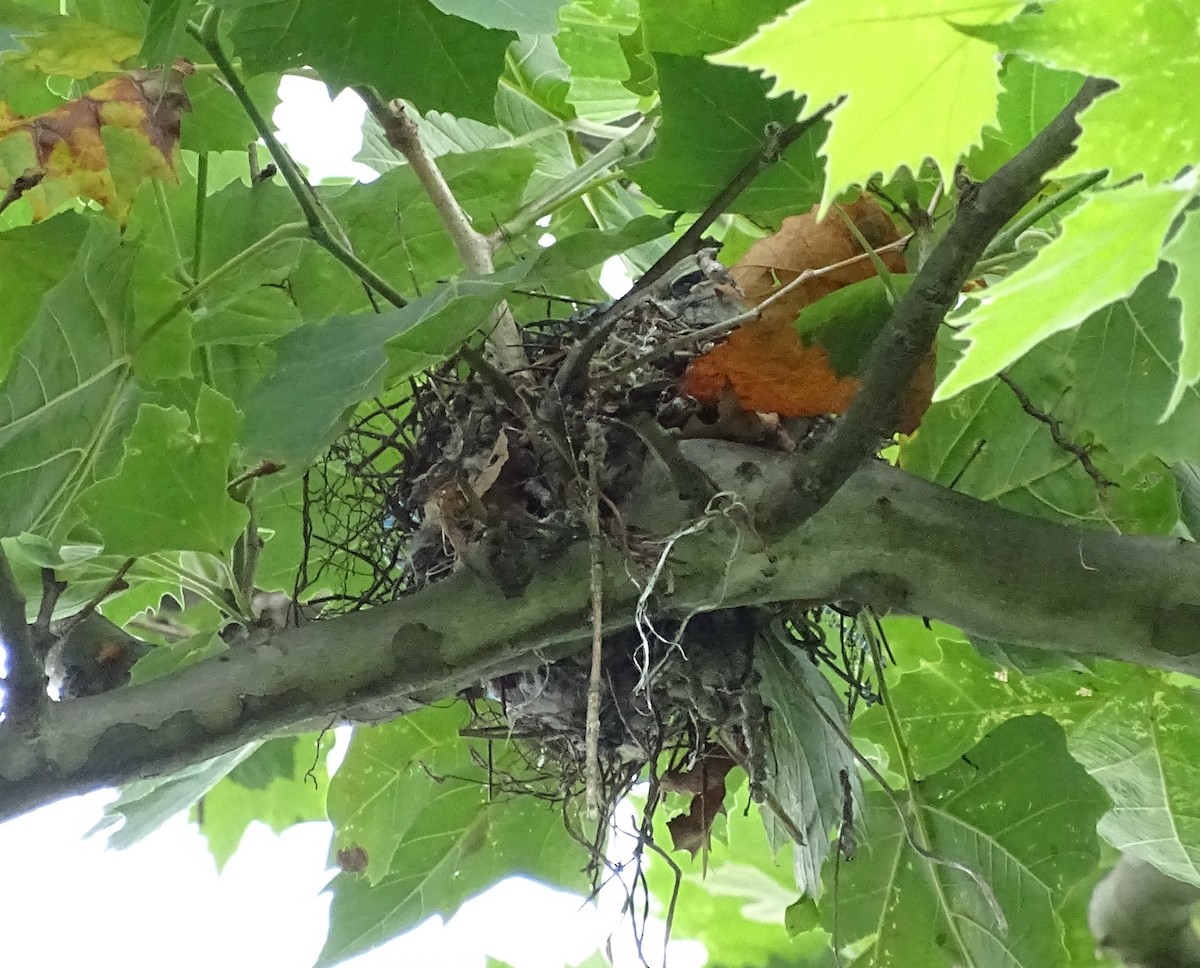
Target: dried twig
[
  {"x": 1080, "y": 453},
  {"x": 474, "y": 248},
  {"x": 591, "y": 765},
  {"x": 724, "y": 326}
]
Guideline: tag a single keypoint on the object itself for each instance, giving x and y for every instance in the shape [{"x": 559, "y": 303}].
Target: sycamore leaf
[
  {"x": 145, "y": 805},
  {"x": 169, "y": 491},
  {"x": 766, "y": 365},
  {"x": 1018, "y": 813},
  {"x": 66, "y": 393},
  {"x": 1184, "y": 251},
  {"x": 1124, "y": 358},
  {"x": 447, "y": 64},
  {"x": 1139, "y": 745},
  {"x": 54, "y": 157},
  {"x": 946, "y": 698},
  {"x": 292, "y": 793},
  {"x": 526, "y": 16},
  {"x": 410, "y": 797},
  {"x": 32, "y": 259},
  {"x": 1144, "y": 127},
  {"x": 590, "y": 44},
  {"x": 1033, "y": 95},
  {"x": 1107, "y": 246},
  {"x": 916, "y": 87},
  {"x": 704, "y": 26},
  {"x": 686, "y": 173},
  {"x": 68, "y": 46}
]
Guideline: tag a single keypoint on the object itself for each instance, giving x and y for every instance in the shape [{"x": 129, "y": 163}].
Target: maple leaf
[
  {"x": 101, "y": 146},
  {"x": 767, "y": 365}
]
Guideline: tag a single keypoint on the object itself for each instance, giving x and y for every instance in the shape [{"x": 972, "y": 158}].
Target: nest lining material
[{"x": 470, "y": 466}]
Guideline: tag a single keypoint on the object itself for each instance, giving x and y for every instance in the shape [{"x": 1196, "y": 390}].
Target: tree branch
[
  {"x": 887, "y": 540},
  {"x": 25, "y": 683},
  {"x": 904, "y": 341},
  {"x": 474, "y": 249},
  {"x": 207, "y": 36}
]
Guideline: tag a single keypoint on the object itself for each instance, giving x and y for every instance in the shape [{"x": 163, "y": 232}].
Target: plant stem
[
  {"x": 207, "y": 35},
  {"x": 1007, "y": 239},
  {"x": 591, "y": 174},
  {"x": 201, "y": 205},
  {"x": 474, "y": 249},
  {"x": 291, "y": 230}
]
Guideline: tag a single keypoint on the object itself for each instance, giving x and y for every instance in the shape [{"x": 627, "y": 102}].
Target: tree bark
[{"x": 886, "y": 539}]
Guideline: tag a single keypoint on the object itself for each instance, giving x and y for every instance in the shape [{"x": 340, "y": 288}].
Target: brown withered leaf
[
  {"x": 765, "y": 364},
  {"x": 692, "y": 831},
  {"x": 101, "y": 146}
]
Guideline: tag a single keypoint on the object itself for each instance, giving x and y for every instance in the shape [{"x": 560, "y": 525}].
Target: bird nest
[{"x": 472, "y": 468}]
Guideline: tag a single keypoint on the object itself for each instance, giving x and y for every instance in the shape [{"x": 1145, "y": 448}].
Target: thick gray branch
[
  {"x": 886, "y": 539},
  {"x": 904, "y": 341},
  {"x": 1144, "y": 917}
]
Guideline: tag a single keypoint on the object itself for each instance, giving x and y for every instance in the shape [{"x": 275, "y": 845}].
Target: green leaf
[
  {"x": 1187, "y": 477},
  {"x": 322, "y": 370},
  {"x": 292, "y": 791},
  {"x": 411, "y": 796},
  {"x": 397, "y": 230},
  {"x": 732, "y": 107},
  {"x": 32, "y": 259},
  {"x": 704, "y": 26},
  {"x": 1184, "y": 251},
  {"x": 1115, "y": 236},
  {"x": 589, "y": 41},
  {"x": 947, "y": 698},
  {"x": 899, "y": 64},
  {"x": 1033, "y": 95},
  {"x": 1125, "y": 360},
  {"x": 733, "y": 900},
  {"x": 526, "y": 16},
  {"x": 847, "y": 321},
  {"x": 1123, "y": 130},
  {"x": 166, "y": 21},
  {"x": 806, "y": 756},
  {"x": 169, "y": 492},
  {"x": 145, "y": 805},
  {"x": 995, "y": 812},
  {"x": 67, "y": 390},
  {"x": 168, "y": 658},
  {"x": 407, "y": 48},
  {"x": 217, "y": 121},
  {"x": 1140, "y": 746}
]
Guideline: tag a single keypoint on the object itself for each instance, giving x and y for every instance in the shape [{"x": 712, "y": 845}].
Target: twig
[
  {"x": 1007, "y": 239},
  {"x": 474, "y": 249},
  {"x": 588, "y": 175},
  {"x": 1055, "y": 427},
  {"x": 903, "y": 344},
  {"x": 591, "y": 743},
  {"x": 207, "y": 35},
  {"x": 25, "y": 684},
  {"x": 113, "y": 585},
  {"x": 724, "y": 326},
  {"x": 688, "y": 244}
]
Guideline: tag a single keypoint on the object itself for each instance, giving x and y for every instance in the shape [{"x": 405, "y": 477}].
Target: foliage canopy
[{"x": 187, "y": 332}]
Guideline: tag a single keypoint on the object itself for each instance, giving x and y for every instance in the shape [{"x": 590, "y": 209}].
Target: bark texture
[{"x": 886, "y": 539}]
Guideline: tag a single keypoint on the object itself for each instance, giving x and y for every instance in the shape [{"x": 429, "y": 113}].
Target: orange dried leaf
[
  {"x": 62, "y": 154},
  {"x": 766, "y": 365},
  {"x": 802, "y": 243}
]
